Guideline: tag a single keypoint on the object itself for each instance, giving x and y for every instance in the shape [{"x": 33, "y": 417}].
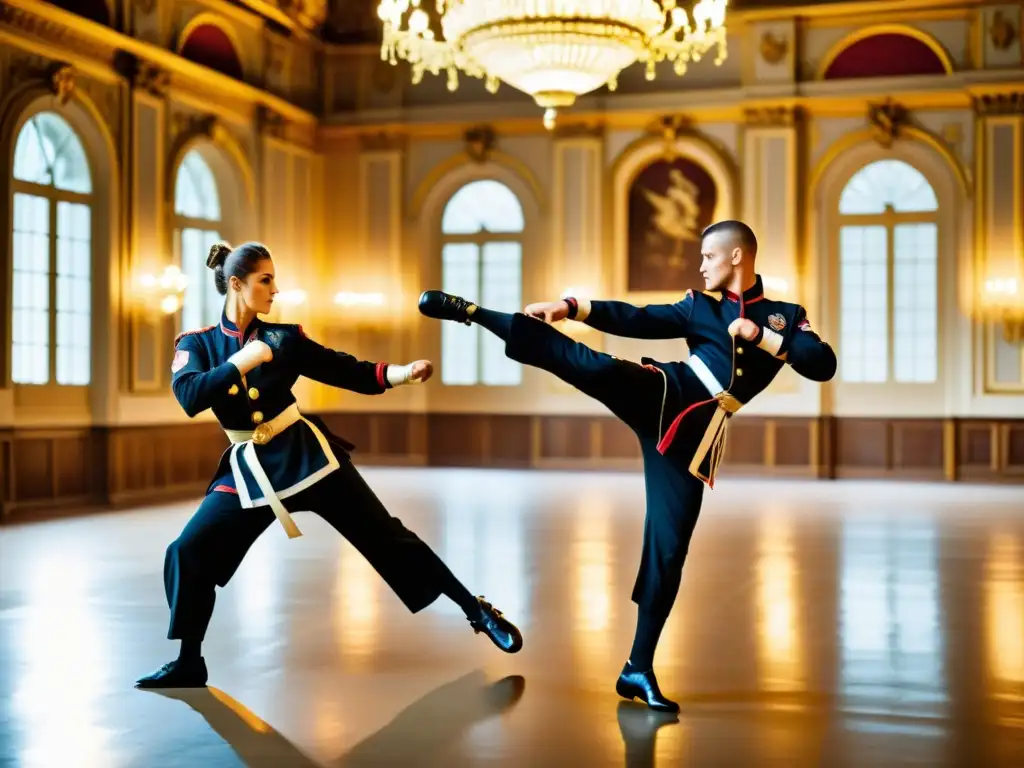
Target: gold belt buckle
[{"x": 262, "y": 434}]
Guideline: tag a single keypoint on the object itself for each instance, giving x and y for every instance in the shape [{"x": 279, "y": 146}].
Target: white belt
[
  {"x": 714, "y": 435},
  {"x": 246, "y": 440}
]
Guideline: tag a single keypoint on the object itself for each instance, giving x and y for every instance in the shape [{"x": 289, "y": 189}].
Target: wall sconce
[
  {"x": 1002, "y": 303},
  {"x": 166, "y": 289}
]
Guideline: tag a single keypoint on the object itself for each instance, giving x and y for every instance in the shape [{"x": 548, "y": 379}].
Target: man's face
[{"x": 720, "y": 256}]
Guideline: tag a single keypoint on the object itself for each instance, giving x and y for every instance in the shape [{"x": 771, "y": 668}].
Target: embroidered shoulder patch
[
  {"x": 182, "y": 335},
  {"x": 776, "y": 322},
  {"x": 180, "y": 360}
]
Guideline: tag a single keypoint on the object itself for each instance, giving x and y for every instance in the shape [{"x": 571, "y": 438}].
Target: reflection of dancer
[
  {"x": 279, "y": 454},
  {"x": 676, "y": 214},
  {"x": 418, "y": 735},
  {"x": 678, "y": 410}
]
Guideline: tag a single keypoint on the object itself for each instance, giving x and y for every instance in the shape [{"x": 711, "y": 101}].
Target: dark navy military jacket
[
  {"x": 741, "y": 368},
  {"x": 301, "y": 454}
]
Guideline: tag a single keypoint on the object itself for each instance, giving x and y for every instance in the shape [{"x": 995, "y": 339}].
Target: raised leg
[
  {"x": 408, "y": 565},
  {"x": 633, "y": 392}
]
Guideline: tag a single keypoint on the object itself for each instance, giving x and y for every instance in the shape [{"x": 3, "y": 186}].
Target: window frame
[
  {"x": 890, "y": 219},
  {"x": 480, "y": 239},
  {"x": 180, "y": 222},
  {"x": 54, "y": 196}
]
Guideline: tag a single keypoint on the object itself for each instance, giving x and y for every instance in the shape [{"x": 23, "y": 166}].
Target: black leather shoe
[
  {"x": 633, "y": 684},
  {"x": 503, "y": 633},
  {"x": 179, "y": 673},
  {"x": 444, "y": 306}
]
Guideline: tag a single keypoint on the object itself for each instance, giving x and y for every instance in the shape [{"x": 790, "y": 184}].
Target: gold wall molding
[
  {"x": 773, "y": 117},
  {"x": 188, "y": 129},
  {"x": 863, "y": 33},
  {"x": 208, "y": 18},
  {"x": 510, "y": 163},
  {"x": 999, "y": 104},
  {"x": 1001, "y": 32},
  {"x": 907, "y": 133},
  {"x": 479, "y": 141},
  {"x": 773, "y": 49},
  {"x": 382, "y": 141},
  {"x": 50, "y": 31},
  {"x": 887, "y": 120}
]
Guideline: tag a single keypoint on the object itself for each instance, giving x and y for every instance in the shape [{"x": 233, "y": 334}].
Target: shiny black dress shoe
[
  {"x": 634, "y": 684},
  {"x": 503, "y": 633},
  {"x": 444, "y": 306},
  {"x": 180, "y": 673}
]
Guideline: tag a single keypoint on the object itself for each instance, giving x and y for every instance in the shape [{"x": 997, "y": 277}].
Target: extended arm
[
  {"x": 803, "y": 349},
  {"x": 194, "y": 383},
  {"x": 658, "y": 321},
  {"x": 340, "y": 369}
]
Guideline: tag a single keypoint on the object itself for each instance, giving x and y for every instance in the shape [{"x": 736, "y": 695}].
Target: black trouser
[
  {"x": 643, "y": 399},
  {"x": 216, "y": 539}
]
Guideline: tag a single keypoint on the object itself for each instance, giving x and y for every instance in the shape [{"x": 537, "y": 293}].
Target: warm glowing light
[
  {"x": 170, "y": 304},
  {"x": 1004, "y": 615},
  {"x": 351, "y": 299},
  {"x": 779, "y": 651},
  {"x": 579, "y": 292},
  {"x": 166, "y": 289},
  {"x": 292, "y": 298},
  {"x": 553, "y": 50}
]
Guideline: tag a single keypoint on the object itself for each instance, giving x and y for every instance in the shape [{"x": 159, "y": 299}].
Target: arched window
[
  {"x": 197, "y": 226},
  {"x": 481, "y": 253},
  {"x": 52, "y": 248},
  {"x": 888, "y": 261}
]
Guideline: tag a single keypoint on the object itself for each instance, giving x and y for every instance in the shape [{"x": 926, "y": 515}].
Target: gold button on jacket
[
  {"x": 233, "y": 389},
  {"x": 257, "y": 417},
  {"x": 253, "y": 393}
]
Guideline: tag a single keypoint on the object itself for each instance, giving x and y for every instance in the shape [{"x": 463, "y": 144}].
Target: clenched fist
[
  {"x": 252, "y": 355},
  {"x": 548, "y": 311},
  {"x": 745, "y": 328},
  {"x": 421, "y": 370}
]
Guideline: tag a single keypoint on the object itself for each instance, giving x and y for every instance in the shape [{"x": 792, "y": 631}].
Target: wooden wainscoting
[{"x": 62, "y": 470}]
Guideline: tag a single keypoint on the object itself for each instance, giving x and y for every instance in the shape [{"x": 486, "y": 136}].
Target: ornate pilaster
[
  {"x": 999, "y": 237},
  {"x": 772, "y": 203}
]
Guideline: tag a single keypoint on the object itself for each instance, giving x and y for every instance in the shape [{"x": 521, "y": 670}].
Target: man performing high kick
[{"x": 738, "y": 342}]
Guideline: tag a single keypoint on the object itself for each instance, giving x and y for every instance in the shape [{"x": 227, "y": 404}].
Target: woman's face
[{"x": 259, "y": 287}]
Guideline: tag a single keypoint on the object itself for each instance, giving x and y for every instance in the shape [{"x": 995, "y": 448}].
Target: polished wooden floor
[{"x": 819, "y": 624}]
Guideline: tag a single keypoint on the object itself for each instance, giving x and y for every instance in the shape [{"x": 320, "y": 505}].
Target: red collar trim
[{"x": 229, "y": 332}]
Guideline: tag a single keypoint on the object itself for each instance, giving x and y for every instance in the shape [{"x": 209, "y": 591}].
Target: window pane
[
  {"x": 915, "y": 306},
  {"x": 863, "y": 292},
  {"x": 502, "y": 291},
  {"x": 459, "y": 343},
  {"x": 48, "y": 151},
  {"x": 195, "y": 189},
  {"x": 482, "y": 206},
  {"x": 887, "y": 182},
  {"x": 30, "y": 331},
  {"x": 74, "y": 289},
  {"x": 202, "y": 304}
]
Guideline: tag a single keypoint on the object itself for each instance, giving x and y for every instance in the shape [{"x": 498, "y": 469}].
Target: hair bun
[{"x": 218, "y": 254}]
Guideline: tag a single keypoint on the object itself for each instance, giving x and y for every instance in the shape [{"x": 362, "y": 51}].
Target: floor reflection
[
  {"x": 891, "y": 630},
  {"x": 1004, "y": 621},
  {"x": 838, "y": 624}
]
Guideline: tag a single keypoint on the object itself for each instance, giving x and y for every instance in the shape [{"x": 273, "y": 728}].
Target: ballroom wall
[{"x": 344, "y": 169}]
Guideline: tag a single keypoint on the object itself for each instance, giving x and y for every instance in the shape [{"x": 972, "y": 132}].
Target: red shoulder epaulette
[{"x": 183, "y": 334}]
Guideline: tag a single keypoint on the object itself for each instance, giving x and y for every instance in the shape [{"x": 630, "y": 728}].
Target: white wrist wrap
[
  {"x": 771, "y": 341},
  {"x": 582, "y": 309},
  {"x": 400, "y": 374}
]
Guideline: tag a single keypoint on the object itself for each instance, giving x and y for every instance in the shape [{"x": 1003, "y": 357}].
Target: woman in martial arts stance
[
  {"x": 738, "y": 339},
  {"x": 244, "y": 369}
]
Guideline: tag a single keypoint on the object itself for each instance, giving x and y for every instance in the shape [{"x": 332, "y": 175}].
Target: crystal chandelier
[{"x": 553, "y": 50}]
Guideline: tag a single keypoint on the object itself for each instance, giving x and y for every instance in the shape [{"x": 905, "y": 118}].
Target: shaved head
[{"x": 733, "y": 234}]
